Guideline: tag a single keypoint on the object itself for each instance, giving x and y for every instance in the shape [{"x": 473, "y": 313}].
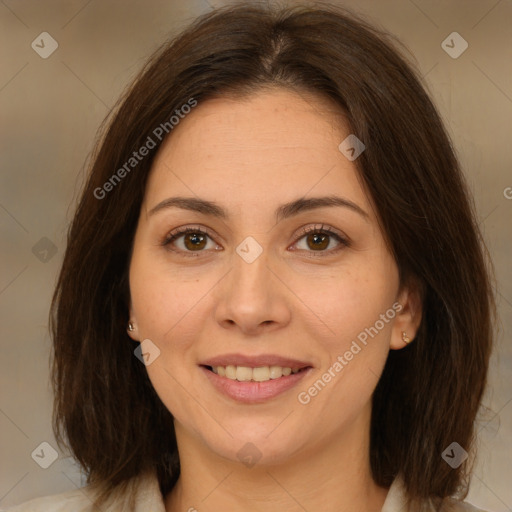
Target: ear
[
  {"x": 134, "y": 334},
  {"x": 408, "y": 318}
]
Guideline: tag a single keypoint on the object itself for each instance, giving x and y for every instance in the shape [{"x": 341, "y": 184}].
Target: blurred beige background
[{"x": 50, "y": 111}]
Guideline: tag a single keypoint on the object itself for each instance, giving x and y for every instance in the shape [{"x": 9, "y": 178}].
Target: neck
[{"x": 333, "y": 476}]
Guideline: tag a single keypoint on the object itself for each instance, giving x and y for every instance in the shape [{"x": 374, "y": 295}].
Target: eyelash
[{"x": 325, "y": 230}]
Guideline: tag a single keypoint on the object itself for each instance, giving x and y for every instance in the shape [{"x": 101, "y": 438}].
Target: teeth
[
  {"x": 230, "y": 372},
  {"x": 261, "y": 374},
  {"x": 243, "y": 373}
]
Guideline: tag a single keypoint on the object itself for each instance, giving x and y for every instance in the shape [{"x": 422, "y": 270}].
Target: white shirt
[{"x": 149, "y": 499}]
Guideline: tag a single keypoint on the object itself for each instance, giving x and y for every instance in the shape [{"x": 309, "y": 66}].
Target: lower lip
[{"x": 250, "y": 392}]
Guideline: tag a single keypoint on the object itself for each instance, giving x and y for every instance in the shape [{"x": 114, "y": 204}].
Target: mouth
[{"x": 254, "y": 380}]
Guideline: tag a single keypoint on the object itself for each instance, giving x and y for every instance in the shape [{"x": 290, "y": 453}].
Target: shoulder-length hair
[{"x": 106, "y": 409}]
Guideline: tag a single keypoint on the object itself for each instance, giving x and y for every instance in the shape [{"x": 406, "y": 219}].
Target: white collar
[{"x": 150, "y": 498}]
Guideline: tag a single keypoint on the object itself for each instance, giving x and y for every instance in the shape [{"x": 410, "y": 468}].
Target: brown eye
[
  {"x": 188, "y": 240},
  {"x": 317, "y": 241},
  {"x": 320, "y": 240},
  {"x": 194, "y": 241}
]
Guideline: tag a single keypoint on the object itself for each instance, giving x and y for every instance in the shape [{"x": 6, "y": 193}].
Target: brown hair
[{"x": 429, "y": 393}]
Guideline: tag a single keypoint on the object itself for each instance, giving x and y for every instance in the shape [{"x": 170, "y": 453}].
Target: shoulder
[
  {"x": 453, "y": 505},
  {"x": 396, "y": 501},
  {"x": 71, "y": 501},
  {"x": 140, "y": 494}
]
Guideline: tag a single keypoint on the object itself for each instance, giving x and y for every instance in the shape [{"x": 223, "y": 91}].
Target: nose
[{"x": 252, "y": 298}]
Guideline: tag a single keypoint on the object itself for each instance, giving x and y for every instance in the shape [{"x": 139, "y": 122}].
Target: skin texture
[{"x": 252, "y": 155}]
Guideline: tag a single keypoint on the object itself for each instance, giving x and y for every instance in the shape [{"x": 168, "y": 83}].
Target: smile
[{"x": 248, "y": 385}]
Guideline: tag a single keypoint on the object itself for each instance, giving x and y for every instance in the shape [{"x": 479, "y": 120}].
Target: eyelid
[
  {"x": 298, "y": 235},
  {"x": 311, "y": 228},
  {"x": 342, "y": 239},
  {"x": 183, "y": 230},
  {"x": 176, "y": 233}
]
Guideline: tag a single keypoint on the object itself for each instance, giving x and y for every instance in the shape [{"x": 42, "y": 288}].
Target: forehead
[{"x": 265, "y": 149}]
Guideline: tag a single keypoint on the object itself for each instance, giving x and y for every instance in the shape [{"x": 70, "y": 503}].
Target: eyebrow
[{"x": 284, "y": 211}]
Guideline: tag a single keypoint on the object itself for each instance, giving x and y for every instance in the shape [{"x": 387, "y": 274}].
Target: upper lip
[{"x": 255, "y": 361}]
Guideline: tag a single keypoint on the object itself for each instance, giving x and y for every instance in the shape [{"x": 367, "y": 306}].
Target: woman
[{"x": 274, "y": 294}]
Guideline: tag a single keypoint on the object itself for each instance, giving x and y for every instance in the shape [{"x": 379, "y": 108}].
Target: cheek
[
  {"x": 164, "y": 299},
  {"x": 345, "y": 301},
  {"x": 167, "y": 307},
  {"x": 354, "y": 356},
  {"x": 354, "y": 306}
]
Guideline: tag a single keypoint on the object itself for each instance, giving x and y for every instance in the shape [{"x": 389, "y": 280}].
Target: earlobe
[
  {"x": 405, "y": 338},
  {"x": 408, "y": 319},
  {"x": 132, "y": 325},
  {"x": 132, "y": 330}
]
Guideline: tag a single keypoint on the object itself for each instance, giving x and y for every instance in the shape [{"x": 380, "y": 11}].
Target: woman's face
[{"x": 249, "y": 288}]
